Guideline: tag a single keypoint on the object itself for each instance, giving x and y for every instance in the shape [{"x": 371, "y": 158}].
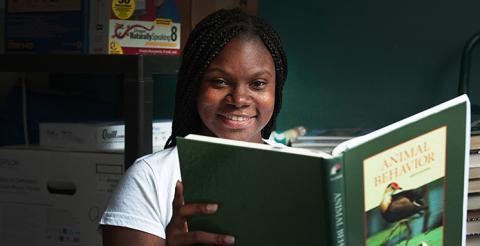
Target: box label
[
  {"x": 123, "y": 9},
  {"x": 155, "y": 35}
]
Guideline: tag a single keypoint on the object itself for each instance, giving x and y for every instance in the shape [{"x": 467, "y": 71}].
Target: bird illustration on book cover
[{"x": 404, "y": 192}]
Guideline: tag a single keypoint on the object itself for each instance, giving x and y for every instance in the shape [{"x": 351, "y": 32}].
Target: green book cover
[{"x": 404, "y": 184}]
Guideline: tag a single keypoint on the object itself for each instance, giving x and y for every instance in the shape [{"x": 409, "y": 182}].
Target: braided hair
[{"x": 205, "y": 42}]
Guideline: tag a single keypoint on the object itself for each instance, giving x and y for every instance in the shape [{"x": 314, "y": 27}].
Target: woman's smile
[{"x": 236, "y": 121}]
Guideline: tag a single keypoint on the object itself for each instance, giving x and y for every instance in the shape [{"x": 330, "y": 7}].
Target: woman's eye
[
  {"x": 259, "y": 84},
  {"x": 219, "y": 82}
]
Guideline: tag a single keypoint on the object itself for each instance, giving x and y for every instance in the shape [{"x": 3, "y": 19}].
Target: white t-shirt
[{"x": 143, "y": 198}]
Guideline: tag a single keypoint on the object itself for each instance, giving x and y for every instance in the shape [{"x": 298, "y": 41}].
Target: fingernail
[
  {"x": 212, "y": 207},
  {"x": 229, "y": 240}
]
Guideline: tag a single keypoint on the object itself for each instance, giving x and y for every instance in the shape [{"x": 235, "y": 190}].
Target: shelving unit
[{"x": 136, "y": 72}]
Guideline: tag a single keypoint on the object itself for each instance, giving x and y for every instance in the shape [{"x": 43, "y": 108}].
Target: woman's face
[{"x": 237, "y": 93}]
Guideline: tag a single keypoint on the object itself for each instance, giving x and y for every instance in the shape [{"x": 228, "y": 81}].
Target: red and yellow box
[{"x": 135, "y": 27}]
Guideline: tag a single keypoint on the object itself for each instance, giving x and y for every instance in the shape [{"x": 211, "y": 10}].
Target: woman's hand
[{"x": 177, "y": 229}]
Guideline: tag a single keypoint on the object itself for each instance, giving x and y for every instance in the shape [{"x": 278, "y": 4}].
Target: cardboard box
[
  {"x": 100, "y": 136},
  {"x": 34, "y": 26},
  {"x": 53, "y": 197},
  {"x": 135, "y": 27}
]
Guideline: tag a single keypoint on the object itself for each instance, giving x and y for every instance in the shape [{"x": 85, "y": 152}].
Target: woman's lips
[{"x": 237, "y": 121}]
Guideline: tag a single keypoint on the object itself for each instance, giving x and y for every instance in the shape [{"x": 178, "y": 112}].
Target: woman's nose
[{"x": 239, "y": 97}]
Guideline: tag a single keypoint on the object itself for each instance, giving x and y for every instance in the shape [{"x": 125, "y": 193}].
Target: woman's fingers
[
  {"x": 177, "y": 230},
  {"x": 178, "y": 200},
  {"x": 180, "y": 209},
  {"x": 193, "y": 209},
  {"x": 202, "y": 237},
  {"x": 178, "y": 222}
]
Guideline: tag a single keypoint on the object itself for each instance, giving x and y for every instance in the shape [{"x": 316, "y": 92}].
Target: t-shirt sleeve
[{"x": 135, "y": 202}]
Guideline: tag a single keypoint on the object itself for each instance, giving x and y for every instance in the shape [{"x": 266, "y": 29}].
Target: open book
[{"x": 404, "y": 183}]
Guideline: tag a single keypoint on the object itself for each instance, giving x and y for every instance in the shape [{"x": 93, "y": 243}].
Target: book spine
[
  {"x": 473, "y": 229},
  {"x": 336, "y": 201},
  {"x": 473, "y": 215}
]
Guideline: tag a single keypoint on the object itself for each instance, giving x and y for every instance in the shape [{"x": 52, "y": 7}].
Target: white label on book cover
[{"x": 411, "y": 164}]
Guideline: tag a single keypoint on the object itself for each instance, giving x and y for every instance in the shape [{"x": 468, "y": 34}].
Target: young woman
[{"x": 229, "y": 86}]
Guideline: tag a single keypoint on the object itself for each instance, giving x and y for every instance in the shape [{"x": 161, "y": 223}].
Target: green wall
[
  {"x": 164, "y": 96},
  {"x": 370, "y": 63}
]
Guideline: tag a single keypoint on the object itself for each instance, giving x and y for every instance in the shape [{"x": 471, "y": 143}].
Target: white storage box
[{"x": 54, "y": 197}]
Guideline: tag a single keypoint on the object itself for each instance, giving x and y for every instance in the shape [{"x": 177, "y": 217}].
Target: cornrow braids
[{"x": 204, "y": 44}]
